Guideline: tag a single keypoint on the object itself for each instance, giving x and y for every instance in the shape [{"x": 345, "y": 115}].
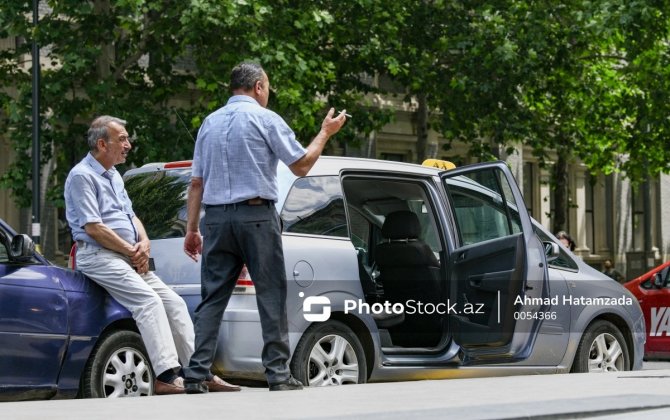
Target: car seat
[{"x": 409, "y": 270}]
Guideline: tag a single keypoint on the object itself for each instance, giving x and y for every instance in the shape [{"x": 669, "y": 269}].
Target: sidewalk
[{"x": 640, "y": 394}]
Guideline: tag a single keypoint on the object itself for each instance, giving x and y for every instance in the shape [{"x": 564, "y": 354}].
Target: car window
[
  {"x": 664, "y": 276},
  {"x": 484, "y": 206},
  {"x": 159, "y": 201},
  {"x": 563, "y": 260},
  {"x": 360, "y": 232},
  {"x": 314, "y": 206},
  {"x": 285, "y": 179},
  {"x": 4, "y": 252}
]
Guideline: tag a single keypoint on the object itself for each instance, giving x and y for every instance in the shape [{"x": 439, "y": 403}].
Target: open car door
[{"x": 497, "y": 264}]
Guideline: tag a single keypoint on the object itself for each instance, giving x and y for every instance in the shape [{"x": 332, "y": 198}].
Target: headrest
[{"x": 401, "y": 225}]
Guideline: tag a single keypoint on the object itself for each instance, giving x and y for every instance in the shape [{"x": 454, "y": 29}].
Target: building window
[
  {"x": 637, "y": 204},
  {"x": 589, "y": 217},
  {"x": 609, "y": 212},
  {"x": 528, "y": 188}
]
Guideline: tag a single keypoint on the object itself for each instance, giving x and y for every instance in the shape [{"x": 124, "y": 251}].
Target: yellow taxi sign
[{"x": 439, "y": 163}]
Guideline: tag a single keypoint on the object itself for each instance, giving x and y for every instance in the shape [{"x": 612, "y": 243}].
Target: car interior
[{"x": 399, "y": 252}]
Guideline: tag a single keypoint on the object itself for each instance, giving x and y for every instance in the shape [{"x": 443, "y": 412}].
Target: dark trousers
[{"x": 235, "y": 235}]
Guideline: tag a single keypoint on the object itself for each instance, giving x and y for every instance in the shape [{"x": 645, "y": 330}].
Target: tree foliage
[{"x": 571, "y": 79}]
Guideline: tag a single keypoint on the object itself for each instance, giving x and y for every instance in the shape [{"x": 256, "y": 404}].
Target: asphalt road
[{"x": 642, "y": 394}]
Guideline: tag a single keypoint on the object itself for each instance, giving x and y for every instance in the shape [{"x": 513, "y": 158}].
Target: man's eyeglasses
[{"x": 125, "y": 139}]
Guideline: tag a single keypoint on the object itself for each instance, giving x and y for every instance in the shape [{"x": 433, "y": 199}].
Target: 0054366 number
[{"x": 534, "y": 315}]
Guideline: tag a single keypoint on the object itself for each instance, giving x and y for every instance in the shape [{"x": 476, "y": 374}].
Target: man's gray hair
[
  {"x": 245, "y": 75},
  {"x": 98, "y": 129}
]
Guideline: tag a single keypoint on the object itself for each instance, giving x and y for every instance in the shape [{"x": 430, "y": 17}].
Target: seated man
[{"x": 113, "y": 250}]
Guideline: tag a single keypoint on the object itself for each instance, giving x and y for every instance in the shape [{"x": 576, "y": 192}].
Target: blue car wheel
[{"x": 118, "y": 367}]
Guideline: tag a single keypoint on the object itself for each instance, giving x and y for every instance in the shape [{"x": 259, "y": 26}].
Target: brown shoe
[
  {"x": 163, "y": 388},
  {"x": 219, "y": 385}
]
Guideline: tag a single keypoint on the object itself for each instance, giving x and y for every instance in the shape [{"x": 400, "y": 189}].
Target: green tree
[
  {"x": 576, "y": 79},
  {"x": 313, "y": 58}
]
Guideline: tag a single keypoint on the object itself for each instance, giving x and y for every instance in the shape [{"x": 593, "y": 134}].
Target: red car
[{"x": 652, "y": 290}]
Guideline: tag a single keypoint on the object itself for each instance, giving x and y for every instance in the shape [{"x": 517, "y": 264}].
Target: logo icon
[{"x": 315, "y": 301}]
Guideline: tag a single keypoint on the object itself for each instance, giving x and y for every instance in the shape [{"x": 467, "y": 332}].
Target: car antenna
[{"x": 184, "y": 124}]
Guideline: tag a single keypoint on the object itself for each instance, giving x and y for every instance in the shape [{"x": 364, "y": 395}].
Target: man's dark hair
[{"x": 245, "y": 75}]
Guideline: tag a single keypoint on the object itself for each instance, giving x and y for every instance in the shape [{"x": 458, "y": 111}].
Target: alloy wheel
[
  {"x": 606, "y": 354},
  {"x": 333, "y": 362},
  {"x": 127, "y": 374}
]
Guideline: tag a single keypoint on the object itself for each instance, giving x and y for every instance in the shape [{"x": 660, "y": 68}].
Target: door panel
[
  {"x": 655, "y": 305},
  {"x": 488, "y": 276},
  {"x": 33, "y": 325},
  {"x": 496, "y": 259}
]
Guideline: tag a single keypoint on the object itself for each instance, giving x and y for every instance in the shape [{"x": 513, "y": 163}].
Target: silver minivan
[{"x": 399, "y": 271}]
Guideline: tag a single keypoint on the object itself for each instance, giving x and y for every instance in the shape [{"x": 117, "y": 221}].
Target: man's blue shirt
[
  {"x": 95, "y": 195},
  {"x": 237, "y": 151}
]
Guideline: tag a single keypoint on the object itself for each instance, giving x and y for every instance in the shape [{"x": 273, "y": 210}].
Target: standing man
[
  {"x": 113, "y": 250},
  {"x": 234, "y": 176},
  {"x": 610, "y": 271}
]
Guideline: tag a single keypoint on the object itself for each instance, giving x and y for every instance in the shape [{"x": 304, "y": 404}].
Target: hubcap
[
  {"x": 606, "y": 354},
  {"x": 127, "y": 374},
  {"x": 333, "y": 362}
]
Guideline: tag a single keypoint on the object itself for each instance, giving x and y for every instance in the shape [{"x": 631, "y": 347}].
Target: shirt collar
[
  {"x": 242, "y": 98},
  {"x": 97, "y": 167}
]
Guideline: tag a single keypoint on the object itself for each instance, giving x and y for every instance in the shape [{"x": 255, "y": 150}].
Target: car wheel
[
  {"x": 118, "y": 367},
  {"x": 602, "y": 349},
  {"x": 328, "y": 354}
]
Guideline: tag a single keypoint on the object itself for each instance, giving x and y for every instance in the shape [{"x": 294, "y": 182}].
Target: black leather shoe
[
  {"x": 195, "y": 386},
  {"x": 291, "y": 384}
]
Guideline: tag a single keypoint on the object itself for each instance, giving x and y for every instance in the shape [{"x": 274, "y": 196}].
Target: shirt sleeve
[
  {"x": 282, "y": 141},
  {"x": 84, "y": 200},
  {"x": 196, "y": 166}
]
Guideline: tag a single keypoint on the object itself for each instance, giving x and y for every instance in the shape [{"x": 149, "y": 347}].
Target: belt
[
  {"x": 256, "y": 202},
  {"x": 250, "y": 202},
  {"x": 83, "y": 244}
]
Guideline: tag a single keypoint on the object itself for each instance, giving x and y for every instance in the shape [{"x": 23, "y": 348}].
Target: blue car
[{"x": 62, "y": 335}]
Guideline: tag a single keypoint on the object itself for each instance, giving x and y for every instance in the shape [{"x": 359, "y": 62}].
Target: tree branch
[{"x": 141, "y": 47}]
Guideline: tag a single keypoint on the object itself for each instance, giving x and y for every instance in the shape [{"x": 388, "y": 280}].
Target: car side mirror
[
  {"x": 658, "y": 281},
  {"x": 22, "y": 248},
  {"x": 551, "y": 250}
]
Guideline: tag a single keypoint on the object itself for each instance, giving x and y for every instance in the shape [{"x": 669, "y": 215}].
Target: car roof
[{"x": 325, "y": 165}]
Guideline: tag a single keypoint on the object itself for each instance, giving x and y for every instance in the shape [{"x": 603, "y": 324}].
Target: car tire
[
  {"x": 118, "y": 367},
  {"x": 328, "y": 354},
  {"x": 601, "y": 349}
]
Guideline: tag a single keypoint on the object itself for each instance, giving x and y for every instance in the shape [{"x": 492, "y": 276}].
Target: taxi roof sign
[{"x": 439, "y": 163}]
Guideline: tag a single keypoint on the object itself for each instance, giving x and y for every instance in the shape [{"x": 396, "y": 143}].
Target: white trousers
[{"x": 161, "y": 314}]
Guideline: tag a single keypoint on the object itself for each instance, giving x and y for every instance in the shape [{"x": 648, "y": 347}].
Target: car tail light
[
  {"x": 71, "y": 262},
  {"x": 178, "y": 164},
  {"x": 244, "y": 285}
]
